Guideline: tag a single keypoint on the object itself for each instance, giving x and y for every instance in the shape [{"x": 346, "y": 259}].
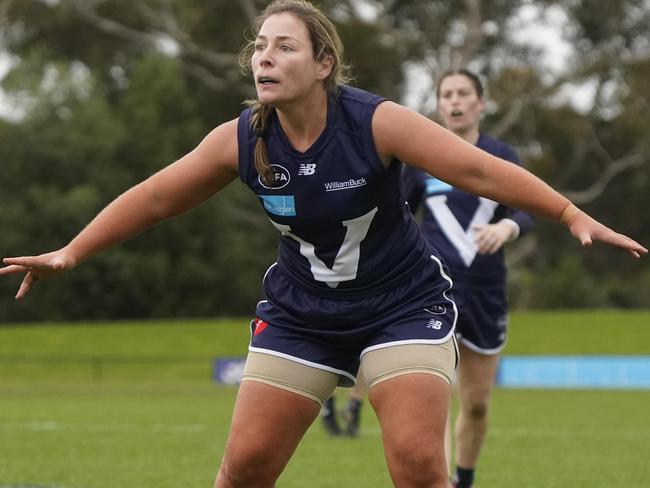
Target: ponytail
[{"x": 259, "y": 123}]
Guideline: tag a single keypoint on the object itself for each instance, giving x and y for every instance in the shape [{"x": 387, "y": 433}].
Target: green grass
[
  {"x": 161, "y": 422},
  {"x": 580, "y": 332}
]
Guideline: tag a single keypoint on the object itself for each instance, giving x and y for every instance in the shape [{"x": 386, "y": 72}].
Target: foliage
[{"x": 106, "y": 92}]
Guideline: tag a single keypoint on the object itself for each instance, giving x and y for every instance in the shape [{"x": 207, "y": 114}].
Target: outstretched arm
[
  {"x": 174, "y": 190},
  {"x": 411, "y": 137}
]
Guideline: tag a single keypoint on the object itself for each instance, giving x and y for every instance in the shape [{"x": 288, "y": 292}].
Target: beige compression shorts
[{"x": 377, "y": 365}]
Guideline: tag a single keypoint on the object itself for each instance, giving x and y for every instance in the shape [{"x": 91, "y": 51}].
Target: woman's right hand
[{"x": 37, "y": 268}]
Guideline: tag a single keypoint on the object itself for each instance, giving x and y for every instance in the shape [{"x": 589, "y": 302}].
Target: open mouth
[
  {"x": 265, "y": 80},
  {"x": 456, "y": 113}
]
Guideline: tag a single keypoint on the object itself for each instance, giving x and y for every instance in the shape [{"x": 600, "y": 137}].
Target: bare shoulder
[{"x": 394, "y": 125}]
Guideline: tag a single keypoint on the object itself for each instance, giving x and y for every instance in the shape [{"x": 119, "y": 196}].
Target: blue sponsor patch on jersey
[
  {"x": 434, "y": 185},
  {"x": 283, "y": 205}
]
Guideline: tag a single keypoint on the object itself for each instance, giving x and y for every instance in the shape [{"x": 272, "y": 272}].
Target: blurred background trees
[{"x": 101, "y": 93}]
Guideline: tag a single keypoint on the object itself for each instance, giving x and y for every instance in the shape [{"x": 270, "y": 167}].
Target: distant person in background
[
  {"x": 355, "y": 282},
  {"x": 348, "y": 419},
  {"x": 470, "y": 232}
]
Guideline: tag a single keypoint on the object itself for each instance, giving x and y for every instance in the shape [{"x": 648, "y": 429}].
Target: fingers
[
  {"x": 489, "y": 238},
  {"x": 585, "y": 239},
  {"x": 26, "y": 285},
  {"x": 25, "y": 261},
  {"x": 36, "y": 267},
  {"x": 489, "y": 246},
  {"x": 634, "y": 254},
  {"x": 630, "y": 245},
  {"x": 599, "y": 232},
  {"x": 13, "y": 268}
]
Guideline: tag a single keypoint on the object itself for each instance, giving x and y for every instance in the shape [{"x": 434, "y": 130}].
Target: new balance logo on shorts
[
  {"x": 306, "y": 169},
  {"x": 434, "y": 324}
]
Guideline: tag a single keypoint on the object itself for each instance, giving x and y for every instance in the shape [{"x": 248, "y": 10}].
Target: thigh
[
  {"x": 412, "y": 411},
  {"x": 267, "y": 425}
]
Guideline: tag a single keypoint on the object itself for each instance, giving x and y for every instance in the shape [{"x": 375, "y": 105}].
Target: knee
[
  {"x": 477, "y": 409},
  {"x": 419, "y": 468},
  {"x": 250, "y": 467}
]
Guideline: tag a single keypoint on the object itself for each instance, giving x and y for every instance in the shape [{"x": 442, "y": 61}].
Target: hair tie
[{"x": 259, "y": 133}]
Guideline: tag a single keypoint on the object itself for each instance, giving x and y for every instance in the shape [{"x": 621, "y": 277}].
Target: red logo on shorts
[{"x": 260, "y": 325}]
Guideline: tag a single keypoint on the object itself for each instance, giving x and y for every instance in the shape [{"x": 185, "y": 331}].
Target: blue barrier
[
  {"x": 228, "y": 370},
  {"x": 608, "y": 372}
]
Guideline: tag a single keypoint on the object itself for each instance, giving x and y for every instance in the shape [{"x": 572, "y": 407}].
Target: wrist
[
  {"x": 70, "y": 257},
  {"x": 569, "y": 212},
  {"x": 513, "y": 226}
]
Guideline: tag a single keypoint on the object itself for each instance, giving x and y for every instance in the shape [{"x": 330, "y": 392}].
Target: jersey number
[{"x": 346, "y": 263}]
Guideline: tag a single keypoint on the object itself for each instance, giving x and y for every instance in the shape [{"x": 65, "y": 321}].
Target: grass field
[{"x": 122, "y": 405}]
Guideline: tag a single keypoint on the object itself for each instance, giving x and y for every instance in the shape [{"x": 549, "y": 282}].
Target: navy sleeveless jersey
[
  {"x": 346, "y": 230},
  {"x": 449, "y": 215}
]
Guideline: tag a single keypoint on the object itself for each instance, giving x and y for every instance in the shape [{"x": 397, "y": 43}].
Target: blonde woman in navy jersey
[
  {"x": 470, "y": 232},
  {"x": 355, "y": 280}
]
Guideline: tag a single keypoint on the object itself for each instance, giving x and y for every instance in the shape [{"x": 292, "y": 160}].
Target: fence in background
[{"x": 580, "y": 372}]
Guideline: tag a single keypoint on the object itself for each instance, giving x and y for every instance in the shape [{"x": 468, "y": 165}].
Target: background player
[{"x": 469, "y": 232}]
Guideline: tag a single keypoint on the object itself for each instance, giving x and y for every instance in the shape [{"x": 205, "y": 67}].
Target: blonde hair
[{"x": 325, "y": 42}]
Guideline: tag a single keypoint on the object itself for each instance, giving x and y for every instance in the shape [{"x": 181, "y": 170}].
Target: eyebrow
[{"x": 280, "y": 38}]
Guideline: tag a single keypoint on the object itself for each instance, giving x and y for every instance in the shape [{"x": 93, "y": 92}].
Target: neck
[
  {"x": 303, "y": 121},
  {"x": 471, "y": 134}
]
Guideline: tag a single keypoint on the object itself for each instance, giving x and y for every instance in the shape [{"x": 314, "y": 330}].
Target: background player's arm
[
  {"x": 175, "y": 189},
  {"x": 411, "y": 137}
]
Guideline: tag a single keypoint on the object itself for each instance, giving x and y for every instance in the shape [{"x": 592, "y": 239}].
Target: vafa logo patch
[{"x": 281, "y": 177}]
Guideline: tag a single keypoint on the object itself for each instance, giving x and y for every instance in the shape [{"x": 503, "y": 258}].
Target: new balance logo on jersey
[{"x": 306, "y": 169}]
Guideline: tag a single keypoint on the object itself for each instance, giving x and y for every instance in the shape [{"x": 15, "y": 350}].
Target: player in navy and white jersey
[
  {"x": 355, "y": 281},
  {"x": 470, "y": 231},
  {"x": 347, "y": 239}
]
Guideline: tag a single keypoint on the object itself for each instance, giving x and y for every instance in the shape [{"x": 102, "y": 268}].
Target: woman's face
[
  {"x": 458, "y": 103},
  {"x": 283, "y": 63}
]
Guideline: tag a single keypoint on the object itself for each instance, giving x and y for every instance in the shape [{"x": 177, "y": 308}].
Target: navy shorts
[
  {"x": 331, "y": 334},
  {"x": 482, "y": 317}
]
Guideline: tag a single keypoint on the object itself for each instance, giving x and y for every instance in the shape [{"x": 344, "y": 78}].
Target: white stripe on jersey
[{"x": 463, "y": 240}]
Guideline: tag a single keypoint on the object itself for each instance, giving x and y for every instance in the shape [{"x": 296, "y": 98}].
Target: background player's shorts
[
  {"x": 482, "y": 324},
  {"x": 331, "y": 334}
]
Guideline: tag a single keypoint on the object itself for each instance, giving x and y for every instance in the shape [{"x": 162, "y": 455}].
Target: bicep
[
  {"x": 424, "y": 144},
  {"x": 420, "y": 142}
]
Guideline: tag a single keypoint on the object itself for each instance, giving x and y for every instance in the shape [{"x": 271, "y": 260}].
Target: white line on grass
[{"x": 52, "y": 426}]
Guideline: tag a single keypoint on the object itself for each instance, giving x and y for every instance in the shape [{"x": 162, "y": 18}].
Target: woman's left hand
[
  {"x": 489, "y": 238},
  {"x": 587, "y": 229}
]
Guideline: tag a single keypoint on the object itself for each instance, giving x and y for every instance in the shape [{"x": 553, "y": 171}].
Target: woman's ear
[
  {"x": 481, "y": 104},
  {"x": 325, "y": 66}
]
